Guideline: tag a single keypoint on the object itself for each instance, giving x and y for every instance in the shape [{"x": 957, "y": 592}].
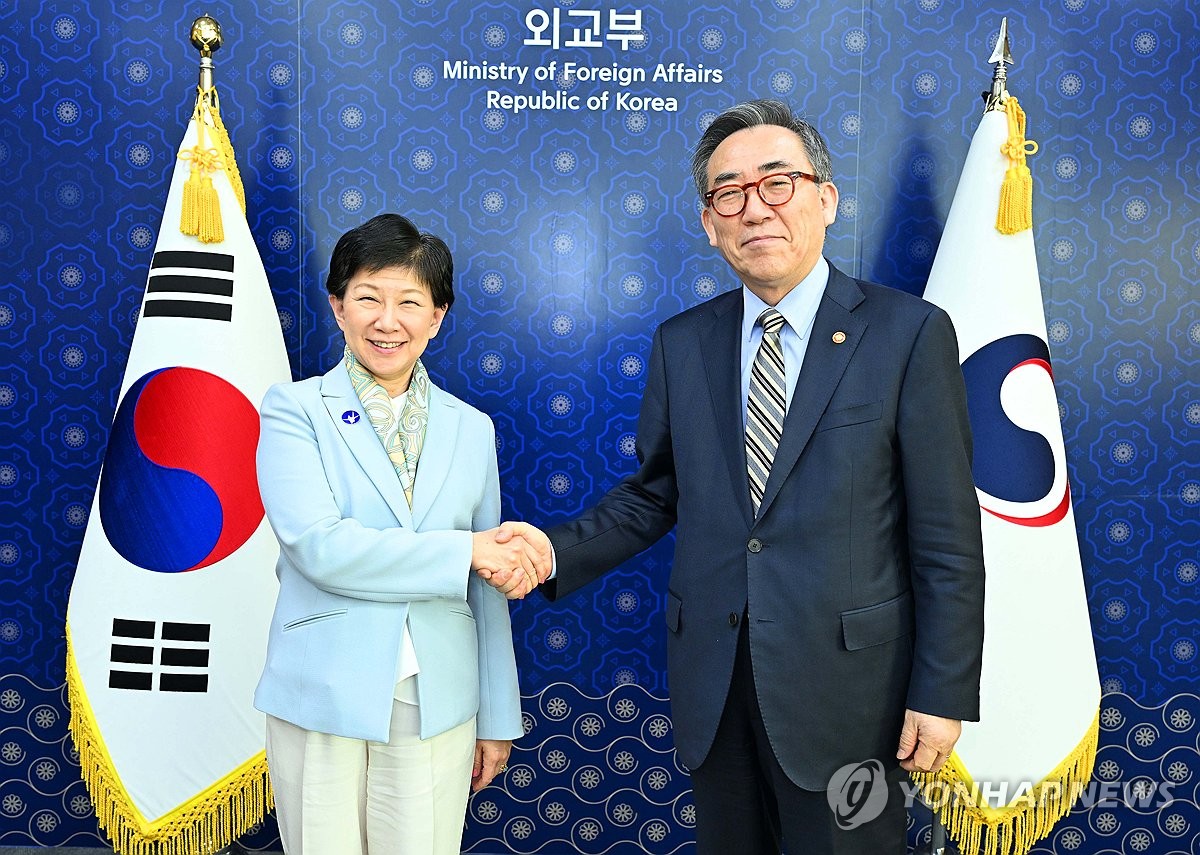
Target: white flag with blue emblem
[
  {"x": 1020, "y": 767},
  {"x": 169, "y": 609}
]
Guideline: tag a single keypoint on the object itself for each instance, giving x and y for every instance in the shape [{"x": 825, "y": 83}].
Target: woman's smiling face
[{"x": 388, "y": 318}]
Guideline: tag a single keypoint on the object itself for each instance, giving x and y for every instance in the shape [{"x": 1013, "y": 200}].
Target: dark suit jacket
[{"x": 862, "y": 576}]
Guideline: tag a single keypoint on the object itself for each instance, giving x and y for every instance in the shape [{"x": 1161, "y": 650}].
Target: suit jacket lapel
[
  {"x": 721, "y": 351},
  {"x": 825, "y": 362},
  {"x": 362, "y": 441},
  {"x": 436, "y": 455}
]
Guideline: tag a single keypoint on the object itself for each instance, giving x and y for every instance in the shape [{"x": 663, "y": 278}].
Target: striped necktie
[{"x": 765, "y": 406}]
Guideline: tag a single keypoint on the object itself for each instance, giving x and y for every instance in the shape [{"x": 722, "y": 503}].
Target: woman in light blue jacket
[{"x": 390, "y": 685}]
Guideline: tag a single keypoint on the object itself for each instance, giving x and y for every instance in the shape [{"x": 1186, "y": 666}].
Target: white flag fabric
[
  {"x": 169, "y": 609},
  {"x": 1019, "y": 768}
]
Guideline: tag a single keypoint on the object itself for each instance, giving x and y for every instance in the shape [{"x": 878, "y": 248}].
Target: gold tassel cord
[
  {"x": 200, "y": 214},
  {"x": 205, "y": 824},
  {"x": 226, "y": 148},
  {"x": 1016, "y": 192},
  {"x": 1016, "y": 828}
]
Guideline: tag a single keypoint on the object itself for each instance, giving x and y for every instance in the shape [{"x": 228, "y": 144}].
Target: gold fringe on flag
[
  {"x": 1014, "y": 829},
  {"x": 1016, "y": 193},
  {"x": 201, "y": 212},
  {"x": 205, "y": 824}
]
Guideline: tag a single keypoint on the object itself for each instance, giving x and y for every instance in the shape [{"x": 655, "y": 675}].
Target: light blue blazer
[{"x": 355, "y": 563}]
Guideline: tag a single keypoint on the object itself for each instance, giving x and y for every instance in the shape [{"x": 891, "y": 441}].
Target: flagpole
[
  {"x": 993, "y": 99},
  {"x": 206, "y": 38}
]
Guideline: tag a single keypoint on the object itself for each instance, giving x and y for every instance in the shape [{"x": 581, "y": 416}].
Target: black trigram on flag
[
  {"x": 178, "y": 669},
  {"x": 186, "y": 284}
]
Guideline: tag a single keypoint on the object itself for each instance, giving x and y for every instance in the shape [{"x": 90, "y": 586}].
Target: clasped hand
[{"x": 513, "y": 558}]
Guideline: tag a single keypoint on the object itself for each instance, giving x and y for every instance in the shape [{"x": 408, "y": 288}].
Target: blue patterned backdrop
[{"x": 575, "y": 232}]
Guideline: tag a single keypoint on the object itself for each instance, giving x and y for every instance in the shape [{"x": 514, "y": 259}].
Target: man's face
[{"x": 770, "y": 248}]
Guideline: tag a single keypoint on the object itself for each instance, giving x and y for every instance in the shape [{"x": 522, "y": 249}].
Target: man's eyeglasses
[{"x": 729, "y": 200}]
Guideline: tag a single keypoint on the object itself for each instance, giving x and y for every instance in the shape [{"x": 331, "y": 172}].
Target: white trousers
[{"x": 339, "y": 796}]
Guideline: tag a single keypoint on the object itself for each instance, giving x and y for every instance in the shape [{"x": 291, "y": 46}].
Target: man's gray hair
[{"x": 752, "y": 114}]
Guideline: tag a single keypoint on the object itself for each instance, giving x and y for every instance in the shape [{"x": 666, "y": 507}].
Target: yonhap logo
[{"x": 857, "y": 793}]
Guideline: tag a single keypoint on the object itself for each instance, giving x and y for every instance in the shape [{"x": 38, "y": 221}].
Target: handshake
[{"x": 514, "y": 558}]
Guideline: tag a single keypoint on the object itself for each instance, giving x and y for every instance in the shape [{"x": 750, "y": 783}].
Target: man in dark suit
[{"x": 825, "y": 605}]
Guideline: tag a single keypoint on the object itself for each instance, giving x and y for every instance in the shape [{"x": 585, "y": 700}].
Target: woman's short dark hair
[
  {"x": 390, "y": 240},
  {"x": 752, "y": 114}
]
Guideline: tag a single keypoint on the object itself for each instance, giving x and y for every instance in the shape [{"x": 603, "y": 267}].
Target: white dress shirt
[{"x": 799, "y": 309}]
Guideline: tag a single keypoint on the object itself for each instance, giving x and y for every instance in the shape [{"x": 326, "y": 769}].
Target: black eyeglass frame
[{"x": 757, "y": 185}]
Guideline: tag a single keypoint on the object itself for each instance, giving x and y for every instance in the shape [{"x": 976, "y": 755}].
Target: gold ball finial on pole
[
  {"x": 206, "y": 38},
  {"x": 206, "y": 35}
]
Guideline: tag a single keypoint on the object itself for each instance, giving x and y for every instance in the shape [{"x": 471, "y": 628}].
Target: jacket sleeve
[
  {"x": 945, "y": 543},
  {"x": 633, "y": 514},
  {"x": 499, "y": 714},
  {"x": 338, "y": 553}
]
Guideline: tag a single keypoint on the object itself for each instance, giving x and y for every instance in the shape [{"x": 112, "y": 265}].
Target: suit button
[
  {"x": 755, "y": 545},
  {"x": 733, "y": 618}
]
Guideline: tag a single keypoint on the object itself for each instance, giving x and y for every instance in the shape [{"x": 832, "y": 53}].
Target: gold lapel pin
[{"x": 839, "y": 337}]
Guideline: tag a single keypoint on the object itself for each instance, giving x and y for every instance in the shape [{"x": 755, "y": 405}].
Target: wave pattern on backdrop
[{"x": 574, "y": 233}]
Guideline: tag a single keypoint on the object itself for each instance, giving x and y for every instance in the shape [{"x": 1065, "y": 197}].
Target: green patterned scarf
[{"x": 403, "y": 446}]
